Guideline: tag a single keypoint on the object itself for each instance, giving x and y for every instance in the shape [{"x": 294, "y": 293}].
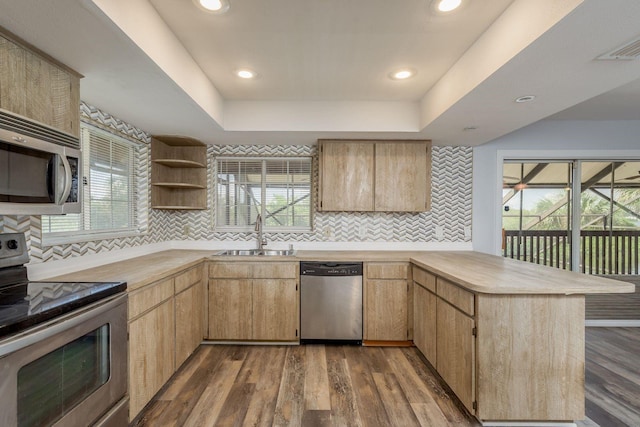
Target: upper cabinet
[
  {"x": 383, "y": 176},
  {"x": 35, "y": 86},
  {"x": 178, "y": 173}
]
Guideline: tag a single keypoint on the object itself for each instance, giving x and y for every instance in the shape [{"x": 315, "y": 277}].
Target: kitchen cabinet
[
  {"x": 165, "y": 327},
  {"x": 367, "y": 176},
  {"x": 346, "y": 176},
  {"x": 488, "y": 346},
  {"x": 151, "y": 351},
  {"x": 274, "y": 310},
  {"x": 424, "y": 313},
  {"x": 178, "y": 173},
  {"x": 253, "y": 301},
  {"x": 456, "y": 351},
  {"x": 403, "y": 176},
  {"x": 36, "y": 86},
  {"x": 230, "y": 308},
  {"x": 189, "y": 288},
  {"x": 386, "y": 302}
]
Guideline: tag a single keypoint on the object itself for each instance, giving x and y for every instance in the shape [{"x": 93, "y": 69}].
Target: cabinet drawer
[
  {"x": 387, "y": 270},
  {"x": 149, "y": 296},
  {"x": 275, "y": 270},
  {"x": 424, "y": 279},
  {"x": 457, "y": 296},
  {"x": 188, "y": 278},
  {"x": 239, "y": 270}
]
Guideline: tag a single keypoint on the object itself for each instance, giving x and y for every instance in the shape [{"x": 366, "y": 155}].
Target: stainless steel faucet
[{"x": 262, "y": 241}]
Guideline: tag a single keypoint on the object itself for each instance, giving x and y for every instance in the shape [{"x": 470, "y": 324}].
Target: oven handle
[{"x": 55, "y": 326}]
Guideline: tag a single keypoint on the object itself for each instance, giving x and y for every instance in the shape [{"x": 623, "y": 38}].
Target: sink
[{"x": 257, "y": 252}]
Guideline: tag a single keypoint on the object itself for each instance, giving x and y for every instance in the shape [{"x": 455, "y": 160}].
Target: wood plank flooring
[
  {"x": 311, "y": 385},
  {"x": 612, "y": 376},
  {"x": 365, "y": 386}
]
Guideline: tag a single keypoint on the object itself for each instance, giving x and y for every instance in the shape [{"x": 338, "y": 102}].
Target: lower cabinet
[
  {"x": 386, "y": 308},
  {"x": 189, "y": 320},
  {"x": 230, "y": 309},
  {"x": 151, "y": 350},
  {"x": 506, "y": 357},
  {"x": 456, "y": 352},
  {"x": 165, "y": 327},
  {"x": 444, "y": 331},
  {"x": 253, "y": 301},
  {"x": 275, "y": 312},
  {"x": 424, "y": 322}
]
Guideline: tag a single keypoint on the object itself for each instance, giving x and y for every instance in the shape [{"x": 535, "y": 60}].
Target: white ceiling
[{"x": 166, "y": 67}]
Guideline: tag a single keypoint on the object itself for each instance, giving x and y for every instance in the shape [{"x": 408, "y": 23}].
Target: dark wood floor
[
  {"x": 365, "y": 386},
  {"x": 312, "y": 385},
  {"x": 613, "y": 376}
]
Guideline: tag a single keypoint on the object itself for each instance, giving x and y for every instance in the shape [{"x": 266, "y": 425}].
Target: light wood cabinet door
[
  {"x": 151, "y": 354},
  {"x": 424, "y": 322},
  {"x": 402, "y": 176},
  {"x": 230, "y": 305},
  {"x": 189, "y": 321},
  {"x": 385, "y": 310},
  {"x": 12, "y": 74},
  {"x": 275, "y": 310},
  {"x": 455, "y": 360},
  {"x": 346, "y": 176},
  {"x": 34, "y": 87}
]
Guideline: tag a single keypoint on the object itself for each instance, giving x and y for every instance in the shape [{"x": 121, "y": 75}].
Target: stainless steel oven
[{"x": 63, "y": 350}]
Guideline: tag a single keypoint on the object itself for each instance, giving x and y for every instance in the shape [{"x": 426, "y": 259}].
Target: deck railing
[{"x": 601, "y": 252}]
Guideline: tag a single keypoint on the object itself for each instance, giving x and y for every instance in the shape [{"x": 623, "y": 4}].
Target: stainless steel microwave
[{"x": 40, "y": 169}]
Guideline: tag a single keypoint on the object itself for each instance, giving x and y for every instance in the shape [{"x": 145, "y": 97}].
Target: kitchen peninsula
[{"x": 506, "y": 336}]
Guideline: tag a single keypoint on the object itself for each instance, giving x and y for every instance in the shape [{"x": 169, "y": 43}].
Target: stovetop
[{"x": 25, "y": 303}]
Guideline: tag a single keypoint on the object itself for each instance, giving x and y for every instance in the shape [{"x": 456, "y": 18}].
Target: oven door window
[{"x": 49, "y": 387}]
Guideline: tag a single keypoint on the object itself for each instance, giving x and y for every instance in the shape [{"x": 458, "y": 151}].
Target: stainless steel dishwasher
[{"x": 331, "y": 302}]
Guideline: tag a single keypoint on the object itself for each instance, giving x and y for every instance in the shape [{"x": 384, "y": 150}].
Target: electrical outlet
[
  {"x": 327, "y": 232},
  {"x": 187, "y": 230},
  {"x": 364, "y": 230},
  {"x": 467, "y": 232},
  {"x": 439, "y": 232}
]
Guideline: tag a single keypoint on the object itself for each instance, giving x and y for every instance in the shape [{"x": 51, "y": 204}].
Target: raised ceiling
[{"x": 166, "y": 67}]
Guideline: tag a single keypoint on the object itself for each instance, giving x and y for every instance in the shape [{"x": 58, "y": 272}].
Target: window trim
[{"x": 250, "y": 227}]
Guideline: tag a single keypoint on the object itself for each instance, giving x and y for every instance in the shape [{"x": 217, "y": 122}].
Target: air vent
[
  {"x": 626, "y": 52},
  {"x": 24, "y": 126}
]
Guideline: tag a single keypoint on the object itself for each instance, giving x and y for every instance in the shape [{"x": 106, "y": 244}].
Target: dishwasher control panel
[{"x": 331, "y": 269}]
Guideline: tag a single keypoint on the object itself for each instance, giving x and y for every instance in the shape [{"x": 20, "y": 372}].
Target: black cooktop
[{"x": 28, "y": 303}]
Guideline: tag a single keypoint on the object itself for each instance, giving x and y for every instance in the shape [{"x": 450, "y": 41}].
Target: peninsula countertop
[{"x": 478, "y": 272}]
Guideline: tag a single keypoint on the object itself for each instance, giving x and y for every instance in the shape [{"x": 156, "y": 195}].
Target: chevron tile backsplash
[{"x": 450, "y": 205}]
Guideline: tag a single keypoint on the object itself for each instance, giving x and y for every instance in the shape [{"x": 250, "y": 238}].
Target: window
[
  {"x": 279, "y": 189},
  {"x": 108, "y": 201},
  {"x": 582, "y": 215}
]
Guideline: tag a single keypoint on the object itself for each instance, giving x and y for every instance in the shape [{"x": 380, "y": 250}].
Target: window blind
[
  {"x": 108, "y": 191},
  {"x": 277, "y": 188}
]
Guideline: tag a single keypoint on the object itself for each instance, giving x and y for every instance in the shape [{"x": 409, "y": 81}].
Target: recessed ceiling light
[
  {"x": 525, "y": 98},
  {"x": 403, "y": 74},
  {"x": 245, "y": 73},
  {"x": 446, "y": 6},
  {"x": 213, "y": 6}
]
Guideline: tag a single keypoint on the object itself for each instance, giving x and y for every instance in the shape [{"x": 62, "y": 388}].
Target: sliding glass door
[
  {"x": 538, "y": 208},
  {"x": 536, "y": 212}
]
